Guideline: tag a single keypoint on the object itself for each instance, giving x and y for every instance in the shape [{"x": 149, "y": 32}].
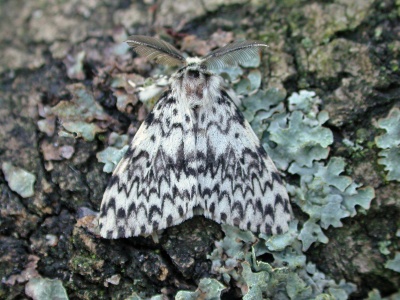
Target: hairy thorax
[{"x": 195, "y": 87}]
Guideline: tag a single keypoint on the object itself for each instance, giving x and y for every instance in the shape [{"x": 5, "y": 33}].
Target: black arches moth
[{"x": 194, "y": 150}]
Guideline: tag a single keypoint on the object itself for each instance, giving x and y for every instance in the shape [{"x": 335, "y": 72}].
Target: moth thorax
[{"x": 196, "y": 85}]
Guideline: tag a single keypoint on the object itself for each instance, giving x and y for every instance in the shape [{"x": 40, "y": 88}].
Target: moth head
[
  {"x": 194, "y": 80},
  {"x": 193, "y": 70},
  {"x": 162, "y": 52}
]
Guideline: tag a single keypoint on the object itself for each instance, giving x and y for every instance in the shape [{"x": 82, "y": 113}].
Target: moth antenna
[
  {"x": 156, "y": 50},
  {"x": 232, "y": 54}
]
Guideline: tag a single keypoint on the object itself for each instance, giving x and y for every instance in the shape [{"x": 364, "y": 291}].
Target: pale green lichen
[
  {"x": 326, "y": 197},
  {"x": 376, "y": 295},
  {"x": 390, "y": 142},
  {"x": 394, "y": 264},
  {"x": 110, "y": 157},
  {"x": 209, "y": 289},
  {"x": 78, "y": 116},
  {"x": 352, "y": 146},
  {"x": 299, "y": 140},
  {"x": 19, "y": 180},
  {"x": 305, "y": 101},
  {"x": 79, "y": 129},
  {"x": 234, "y": 258},
  {"x": 249, "y": 84},
  {"x": 298, "y": 136},
  {"x": 232, "y": 73},
  {"x": 281, "y": 241},
  {"x": 261, "y": 106},
  {"x": 310, "y": 233},
  {"x": 82, "y": 107},
  {"x": 135, "y": 296},
  {"x": 261, "y": 279},
  {"x": 383, "y": 247},
  {"x": 45, "y": 289},
  {"x": 117, "y": 140},
  {"x": 390, "y": 159},
  {"x": 288, "y": 277}
]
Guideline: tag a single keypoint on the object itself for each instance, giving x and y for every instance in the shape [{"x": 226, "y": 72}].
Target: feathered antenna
[
  {"x": 156, "y": 50},
  {"x": 232, "y": 54}
]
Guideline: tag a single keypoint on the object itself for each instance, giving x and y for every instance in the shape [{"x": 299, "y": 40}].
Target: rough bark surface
[{"x": 346, "y": 51}]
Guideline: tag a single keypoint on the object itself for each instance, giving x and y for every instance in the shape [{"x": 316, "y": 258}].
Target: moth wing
[
  {"x": 238, "y": 183},
  {"x": 154, "y": 185}
]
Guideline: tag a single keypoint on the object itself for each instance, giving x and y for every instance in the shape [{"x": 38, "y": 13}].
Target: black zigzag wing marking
[
  {"x": 154, "y": 185},
  {"x": 237, "y": 182}
]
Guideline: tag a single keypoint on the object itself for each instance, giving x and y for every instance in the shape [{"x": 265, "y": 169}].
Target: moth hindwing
[{"x": 195, "y": 151}]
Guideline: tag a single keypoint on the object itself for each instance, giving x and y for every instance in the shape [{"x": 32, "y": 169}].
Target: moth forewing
[{"x": 194, "y": 151}]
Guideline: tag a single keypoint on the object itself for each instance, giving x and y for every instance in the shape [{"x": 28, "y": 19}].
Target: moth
[{"x": 194, "y": 152}]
